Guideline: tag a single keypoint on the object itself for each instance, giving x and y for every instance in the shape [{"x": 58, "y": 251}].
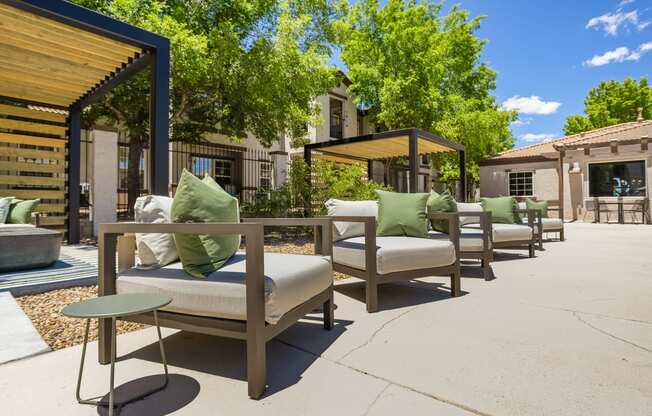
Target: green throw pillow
[
  {"x": 402, "y": 214},
  {"x": 203, "y": 201},
  {"x": 443, "y": 202},
  {"x": 501, "y": 208},
  {"x": 540, "y": 205},
  {"x": 20, "y": 212}
]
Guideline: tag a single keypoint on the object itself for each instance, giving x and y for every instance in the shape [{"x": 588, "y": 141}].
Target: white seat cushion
[
  {"x": 470, "y": 239},
  {"x": 396, "y": 254},
  {"x": 290, "y": 280},
  {"x": 549, "y": 224},
  {"x": 469, "y": 207},
  {"x": 507, "y": 232},
  {"x": 15, "y": 226}
]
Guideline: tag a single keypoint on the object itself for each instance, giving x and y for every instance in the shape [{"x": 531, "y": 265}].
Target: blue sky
[{"x": 549, "y": 54}]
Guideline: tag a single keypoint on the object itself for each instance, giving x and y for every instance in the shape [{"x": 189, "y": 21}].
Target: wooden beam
[
  {"x": 32, "y": 167},
  {"x": 24, "y": 93},
  {"x": 16, "y": 180},
  {"x": 32, "y": 127},
  {"x": 47, "y": 63},
  {"x": 33, "y": 194},
  {"x": 36, "y": 141},
  {"x": 51, "y": 220},
  {"x": 40, "y": 84},
  {"x": 56, "y": 208},
  {"x": 22, "y": 68},
  {"x": 32, "y": 154},
  {"x": 65, "y": 32},
  {"x": 60, "y": 51},
  {"x": 12, "y": 110}
]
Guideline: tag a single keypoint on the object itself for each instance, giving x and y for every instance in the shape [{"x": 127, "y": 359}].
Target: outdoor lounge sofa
[
  {"x": 549, "y": 225},
  {"x": 502, "y": 235},
  {"x": 254, "y": 297},
  {"x": 379, "y": 260}
]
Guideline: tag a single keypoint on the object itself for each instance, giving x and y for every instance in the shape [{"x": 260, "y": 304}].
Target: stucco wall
[
  {"x": 494, "y": 179},
  {"x": 578, "y": 203}
]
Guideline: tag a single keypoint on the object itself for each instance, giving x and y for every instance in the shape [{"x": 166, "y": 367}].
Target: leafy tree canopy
[
  {"x": 237, "y": 67},
  {"x": 612, "y": 102},
  {"x": 410, "y": 66}
]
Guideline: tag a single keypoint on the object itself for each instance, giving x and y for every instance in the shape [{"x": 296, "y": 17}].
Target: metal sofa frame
[
  {"x": 255, "y": 331},
  {"x": 373, "y": 279}
]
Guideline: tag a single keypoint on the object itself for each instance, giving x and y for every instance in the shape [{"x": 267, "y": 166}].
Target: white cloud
[
  {"x": 536, "y": 137},
  {"x": 625, "y": 2},
  {"x": 531, "y": 105},
  {"x": 620, "y": 54},
  {"x": 643, "y": 25},
  {"x": 610, "y": 23}
]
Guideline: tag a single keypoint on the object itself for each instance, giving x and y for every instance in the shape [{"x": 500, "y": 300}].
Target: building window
[
  {"x": 220, "y": 169},
  {"x": 336, "y": 119},
  {"x": 617, "y": 179},
  {"x": 265, "y": 175},
  {"x": 520, "y": 184}
]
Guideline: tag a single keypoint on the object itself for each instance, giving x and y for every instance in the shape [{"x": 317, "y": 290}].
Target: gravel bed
[{"x": 58, "y": 331}]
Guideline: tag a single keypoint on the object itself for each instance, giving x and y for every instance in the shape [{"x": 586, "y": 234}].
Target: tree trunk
[{"x": 133, "y": 174}]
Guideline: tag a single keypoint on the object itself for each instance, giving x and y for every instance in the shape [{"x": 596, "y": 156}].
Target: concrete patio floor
[{"x": 566, "y": 333}]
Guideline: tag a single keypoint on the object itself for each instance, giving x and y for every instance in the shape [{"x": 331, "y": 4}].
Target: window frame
[
  {"x": 509, "y": 183},
  {"x": 330, "y": 119},
  {"x": 608, "y": 162},
  {"x": 269, "y": 168}
]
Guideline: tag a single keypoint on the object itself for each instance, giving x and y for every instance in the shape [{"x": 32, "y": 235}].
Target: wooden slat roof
[
  {"x": 49, "y": 62},
  {"x": 383, "y": 145}
]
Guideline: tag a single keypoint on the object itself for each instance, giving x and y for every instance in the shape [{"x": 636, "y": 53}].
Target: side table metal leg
[
  {"x": 160, "y": 343},
  {"x": 113, "y": 354},
  {"x": 81, "y": 366}
]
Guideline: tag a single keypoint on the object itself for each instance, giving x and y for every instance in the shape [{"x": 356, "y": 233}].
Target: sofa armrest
[
  {"x": 485, "y": 225},
  {"x": 453, "y": 219},
  {"x": 36, "y": 216},
  {"x": 533, "y": 217},
  {"x": 369, "y": 238},
  {"x": 321, "y": 225}
]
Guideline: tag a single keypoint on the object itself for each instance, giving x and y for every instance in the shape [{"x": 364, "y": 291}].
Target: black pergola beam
[
  {"x": 413, "y": 158},
  {"x": 74, "y": 155},
  {"x": 462, "y": 183},
  {"x": 159, "y": 120},
  {"x": 156, "y": 51}
]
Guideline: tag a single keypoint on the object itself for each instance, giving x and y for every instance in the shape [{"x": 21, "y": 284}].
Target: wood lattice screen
[{"x": 33, "y": 160}]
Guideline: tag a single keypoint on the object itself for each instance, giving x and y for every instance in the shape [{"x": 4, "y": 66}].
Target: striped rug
[{"x": 77, "y": 265}]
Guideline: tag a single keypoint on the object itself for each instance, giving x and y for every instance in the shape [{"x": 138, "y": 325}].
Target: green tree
[
  {"x": 410, "y": 66},
  {"x": 237, "y": 67},
  {"x": 612, "y": 102}
]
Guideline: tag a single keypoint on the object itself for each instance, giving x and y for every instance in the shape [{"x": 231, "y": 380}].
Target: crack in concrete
[
  {"x": 371, "y": 405},
  {"x": 386, "y": 380},
  {"x": 599, "y": 315},
  {"x": 377, "y": 331},
  {"x": 602, "y": 331}
]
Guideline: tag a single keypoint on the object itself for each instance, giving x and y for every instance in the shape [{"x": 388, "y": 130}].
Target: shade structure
[
  {"x": 410, "y": 143},
  {"x": 58, "y": 55}
]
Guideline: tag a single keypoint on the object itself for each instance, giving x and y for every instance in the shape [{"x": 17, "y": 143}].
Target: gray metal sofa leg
[
  {"x": 531, "y": 249},
  {"x": 486, "y": 269},
  {"x": 329, "y": 312},
  {"x": 561, "y": 235},
  {"x": 371, "y": 294},
  {"x": 256, "y": 366},
  {"x": 541, "y": 241},
  {"x": 456, "y": 283}
]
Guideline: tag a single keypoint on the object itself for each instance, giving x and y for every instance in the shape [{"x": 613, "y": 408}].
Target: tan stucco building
[{"x": 611, "y": 164}]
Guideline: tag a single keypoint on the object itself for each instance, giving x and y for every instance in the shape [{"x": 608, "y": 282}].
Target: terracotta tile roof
[{"x": 618, "y": 132}]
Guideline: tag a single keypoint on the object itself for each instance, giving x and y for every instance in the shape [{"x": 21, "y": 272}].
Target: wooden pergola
[
  {"x": 410, "y": 143},
  {"x": 61, "y": 56}
]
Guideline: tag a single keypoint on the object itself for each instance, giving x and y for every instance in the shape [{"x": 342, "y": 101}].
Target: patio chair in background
[
  {"x": 379, "y": 260},
  {"x": 254, "y": 296}
]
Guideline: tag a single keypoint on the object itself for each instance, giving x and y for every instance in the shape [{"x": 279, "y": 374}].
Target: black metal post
[
  {"x": 307, "y": 157},
  {"x": 414, "y": 162},
  {"x": 462, "y": 184},
  {"x": 74, "y": 155},
  {"x": 159, "y": 120},
  {"x": 370, "y": 170}
]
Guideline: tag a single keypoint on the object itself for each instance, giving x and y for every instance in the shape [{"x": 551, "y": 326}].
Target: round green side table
[{"x": 117, "y": 306}]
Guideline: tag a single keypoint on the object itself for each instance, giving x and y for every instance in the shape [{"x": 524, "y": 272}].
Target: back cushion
[
  {"x": 469, "y": 207},
  {"x": 154, "y": 250},
  {"x": 337, "y": 207}
]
